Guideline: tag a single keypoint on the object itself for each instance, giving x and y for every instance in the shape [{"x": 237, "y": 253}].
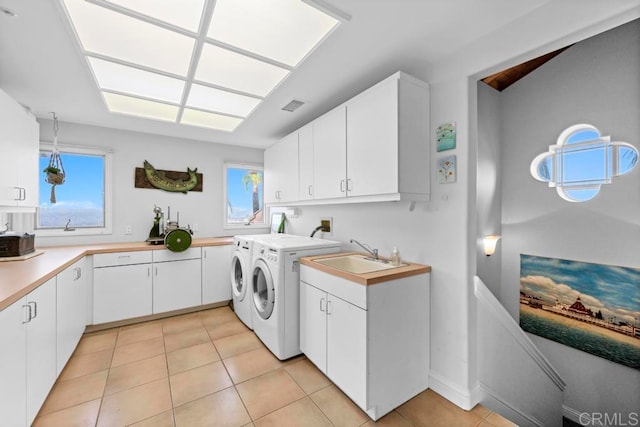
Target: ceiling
[{"x": 42, "y": 66}]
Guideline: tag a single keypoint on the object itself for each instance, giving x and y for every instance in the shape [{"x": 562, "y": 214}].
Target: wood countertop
[
  {"x": 18, "y": 278},
  {"x": 405, "y": 270}
]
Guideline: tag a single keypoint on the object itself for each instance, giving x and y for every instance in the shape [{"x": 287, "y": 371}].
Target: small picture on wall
[
  {"x": 594, "y": 308},
  {"x": 447, "y": 170},
  {"x": 446, "y": 136}
]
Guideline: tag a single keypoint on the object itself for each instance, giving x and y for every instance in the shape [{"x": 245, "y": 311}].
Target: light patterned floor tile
[
  {"x": 137, "y": 351},
  {"x": 269, "y": 392},
  {"x": 307, "y": 375},
  {"x": 229, "y": 328},
  {"x": 217, "y": 316},
  {"x": 97, "y": 341},
  {"x": 236, "y": 344},
  {"x": 140, "y": 332},
  {"x": 338, "y": 408},
  {"x": 191, "y": 357},
  {"x": 177, "y": 324},
  {"x": 251, "y": 364},
  {"x": 84, "y": 364},
  {"x": 173, "y": 342},
  {"x": 164, "y": 419},
  {"x": 75, "y": 391},
  {"x": 195, "y": 383},
  {"x": 82, "y": 415},
  {"x": 392, "y": 419},
  {"x": 136, "y": 373},
  {"x": 135, "y": 404},
  {"x": 300, "y": 413},
  {"x": 430, "y": 409},
  {"x": 223, "y": 408}
]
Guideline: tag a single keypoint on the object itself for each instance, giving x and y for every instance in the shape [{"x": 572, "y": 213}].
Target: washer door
[
  {"x": 263, "y": 291},
  {"x": 238, "y": 281}
]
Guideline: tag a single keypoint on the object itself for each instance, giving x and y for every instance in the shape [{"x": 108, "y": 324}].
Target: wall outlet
[
  {"x": 327, "y": 225},
  {"x": 128, "y": 229}
]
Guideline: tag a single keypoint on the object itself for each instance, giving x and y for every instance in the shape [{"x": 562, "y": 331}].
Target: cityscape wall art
[{"x": 592, "y": 307}]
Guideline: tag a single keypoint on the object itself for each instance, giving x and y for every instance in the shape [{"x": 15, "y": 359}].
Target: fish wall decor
[{"x": 177, "y": 182}]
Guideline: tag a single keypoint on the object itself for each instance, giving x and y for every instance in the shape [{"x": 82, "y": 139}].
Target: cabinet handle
[
  {"x": 310, "y": 193},
  {"x": 35, "y": 310},
  {"x": 78, "y": 273},
  {"x": 24, "y": 193},
  {"x": 349, "y": 186},
  {"x": 124, "y": 256},
  {"x": 29, "y": 313},
  {"x": 19, "y": 193},
  {"x": 204, "y": 254},
  {"x": 321, "y": 307},
  {"x": 342, "y": 185},
  {"x": 156, "y": 271},
  {"x": 328, "y": 307},
  {"x": 148, "y": 271}
]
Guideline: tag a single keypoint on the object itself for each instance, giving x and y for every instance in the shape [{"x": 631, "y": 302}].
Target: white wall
[
  {"x": 134, "y": 206},
  {"x": 489, "y": 184},
  {"x": 595, "y": 81}
]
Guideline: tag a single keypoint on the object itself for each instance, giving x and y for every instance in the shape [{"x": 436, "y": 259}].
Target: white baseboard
[
  {"x": 497, "y": 403},
  {"x": 464, "y": 398}
]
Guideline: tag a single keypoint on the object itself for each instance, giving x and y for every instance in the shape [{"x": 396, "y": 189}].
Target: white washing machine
[
  {"x": 241, "y": 261},
  {"x": 275, "y": 281}
]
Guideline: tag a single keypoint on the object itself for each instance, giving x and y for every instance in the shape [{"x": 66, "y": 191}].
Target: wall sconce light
[{"x": 490, "y": 244}]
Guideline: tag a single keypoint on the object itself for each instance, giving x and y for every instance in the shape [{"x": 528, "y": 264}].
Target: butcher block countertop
[
  {"x": 405, "y": 270},
  {"x": 18, "y": 278}
]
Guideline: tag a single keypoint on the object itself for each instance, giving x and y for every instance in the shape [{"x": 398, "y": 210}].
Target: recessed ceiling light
[{"x": 199, "y": 62}]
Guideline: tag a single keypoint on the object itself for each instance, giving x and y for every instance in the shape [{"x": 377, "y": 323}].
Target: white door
[
  {"x": 13, "y": 385},
  {"x": 263, "y": 290},
  {"x": 372, "y": 141},
  {"x": 215, "y": 273},
  {"x": 305, "y": 162},
  {"x": 347, "y": 348},
  {"x": 71, "y": 311},
  {"x": 176, "y": 285},
  {"x": 41, "y": 346},
  {"x": 330, "y": 155},
  {"x": 122, "y": 292},
  {"x": 313, "y": 325}
]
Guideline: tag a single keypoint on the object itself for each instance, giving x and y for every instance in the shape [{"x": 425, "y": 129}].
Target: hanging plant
[{"x": 55, "y": 170}]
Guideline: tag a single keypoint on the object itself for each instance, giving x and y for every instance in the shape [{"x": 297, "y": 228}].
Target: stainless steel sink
[{"x": 357, "y": 264}]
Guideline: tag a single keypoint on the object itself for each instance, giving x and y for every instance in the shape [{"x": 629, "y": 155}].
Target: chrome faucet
[{"x": 372, "y": 252}]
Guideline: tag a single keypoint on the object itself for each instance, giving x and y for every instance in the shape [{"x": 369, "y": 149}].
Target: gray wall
[{"x": 595, "y": 81}]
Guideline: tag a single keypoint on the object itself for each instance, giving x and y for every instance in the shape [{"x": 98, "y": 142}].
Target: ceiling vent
[{"x": 293, "y": 105}]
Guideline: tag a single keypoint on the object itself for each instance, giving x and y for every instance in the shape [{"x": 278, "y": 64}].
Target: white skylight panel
[
  {"x": 209, "y": 120},
  {"x": 121, "y": 78},
  {"x": 115, "y": 35},
  {"x": 183, "y": 13},
  {"x": 225, "y": 68},
  {"x": 282, "y": 30},
  {"x": 140, "y": 107},
  {"x": 221, "y": 101}
]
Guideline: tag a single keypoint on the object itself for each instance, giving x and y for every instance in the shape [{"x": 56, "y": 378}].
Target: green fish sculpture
[{"x": 159, "y": 179}]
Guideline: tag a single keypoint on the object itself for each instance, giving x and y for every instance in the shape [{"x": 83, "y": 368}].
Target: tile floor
[{"x": 208, "y": 369}]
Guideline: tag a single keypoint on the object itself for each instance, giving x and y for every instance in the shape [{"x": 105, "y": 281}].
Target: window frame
[
  {"x": 225, "y": 220},
  {"x": 108, "y": 196}
]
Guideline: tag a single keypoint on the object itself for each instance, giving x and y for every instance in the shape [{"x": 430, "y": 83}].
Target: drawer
[
  {"x": 167, "y": 255},
  {"x": 352, "y": 292},
  {"x": 121, "y": 258}
]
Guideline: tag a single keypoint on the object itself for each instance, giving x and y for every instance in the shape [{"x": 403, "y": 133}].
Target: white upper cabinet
[
  {"x": 330, "y": 155},
  {"x": 305, "y": 162},
  {"x": 281, "y": 170},
  {"x": 374, "y": 147},
  {"x": 19, "y": 142}
]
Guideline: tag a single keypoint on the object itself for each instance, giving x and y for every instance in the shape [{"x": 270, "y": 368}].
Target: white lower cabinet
[
  {"x": 28, "y": 355},
  {"x": 216, "y": 270},
  {"x": 41, "y": 346},
  {"x": 13, "y": 364},
  {"x": 71, "y": 303},
  {"x": 176, "y": 285},
  {"x": 122, "y": 286},
  {"x": 333, "y": 336},
  {"x": 371, "y": 341}
]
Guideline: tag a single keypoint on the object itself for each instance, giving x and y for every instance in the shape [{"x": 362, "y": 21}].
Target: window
[
  {"x": 82, "y": 203},
  {"x": 581, "y": 161},
  {"x": 244, "y": 203}
]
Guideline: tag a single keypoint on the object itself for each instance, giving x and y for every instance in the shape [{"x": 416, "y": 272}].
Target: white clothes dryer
[
  {"x": 275, "y": 281},
  {"x": 241, "y": 261}
]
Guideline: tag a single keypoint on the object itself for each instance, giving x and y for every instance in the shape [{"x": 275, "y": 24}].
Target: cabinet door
[
  {"x": 28, "y": 173},
  {"x": 281, "y": 170},
  {"x": 313, "y": 325},
  {"x": 216, "y": 274},
  {"x": 72, "y": 311},
  {"x": 41, "y": 346},
  {"x": 11, "y": 138},
  {"x": 305, "y": 162},
  {"x": 372, "y": 141},
  {"x": 330, "y": 155},
  {"x": 176, "y": 285},
  {"x": 13, "y": 389},
  {"x": 121, "y": 292},
  {"x": 347, "y": 348}
]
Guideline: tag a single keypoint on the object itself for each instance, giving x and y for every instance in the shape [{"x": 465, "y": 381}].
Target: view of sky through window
[{"x": 244, "y": 195}]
